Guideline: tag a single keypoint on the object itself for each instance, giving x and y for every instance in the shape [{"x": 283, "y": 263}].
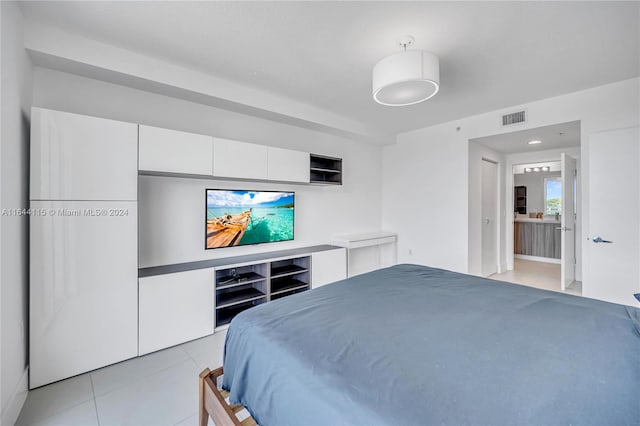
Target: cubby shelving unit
[
  {"x": 242, "y": 287},
  {"x": 520, "y": 200},
  {"x": 325, "y": 170},
  {"x": 289, "y": 277},
  {"x": 238, "y": 289}
]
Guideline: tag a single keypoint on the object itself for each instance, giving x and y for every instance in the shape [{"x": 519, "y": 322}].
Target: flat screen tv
[{"x": 238, "y": 218}]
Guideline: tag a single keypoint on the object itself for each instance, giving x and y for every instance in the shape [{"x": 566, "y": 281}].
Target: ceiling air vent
[{"x": 514, "y": 118}]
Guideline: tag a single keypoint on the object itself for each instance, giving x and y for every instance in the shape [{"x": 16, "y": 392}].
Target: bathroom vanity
[{"x": 537, "y": 237}]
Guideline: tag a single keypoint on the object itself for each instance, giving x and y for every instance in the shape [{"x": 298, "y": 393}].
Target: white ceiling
[
  {"x": 492, "y": 54},
  {"x": 564, "y": 135}
]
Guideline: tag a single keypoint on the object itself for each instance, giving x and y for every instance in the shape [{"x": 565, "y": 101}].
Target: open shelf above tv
[{"x": 325, "y": 170}]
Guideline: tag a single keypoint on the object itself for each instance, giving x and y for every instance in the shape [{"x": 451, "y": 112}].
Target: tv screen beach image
[{"x": 248, "y": 217}]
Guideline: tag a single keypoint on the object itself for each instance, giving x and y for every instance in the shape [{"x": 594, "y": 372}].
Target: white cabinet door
[
  {"x": 83, "y": 287},
  {"x": 76, "y": 157},
  {"x": 171, "y": 151},
  {"x": 175, "y": 308},
  {"x": 328, "y": 266},
  {"x": 288, "y": 165},
  {"x": 239, "y": 160}
]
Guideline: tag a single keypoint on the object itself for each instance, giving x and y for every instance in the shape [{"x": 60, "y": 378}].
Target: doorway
[
  {"x": 543, "y": 228},
  {"x": 531, "y": 148}
]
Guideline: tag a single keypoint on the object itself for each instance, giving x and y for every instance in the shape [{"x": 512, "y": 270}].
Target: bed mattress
[{"x": 416, "y": 345}]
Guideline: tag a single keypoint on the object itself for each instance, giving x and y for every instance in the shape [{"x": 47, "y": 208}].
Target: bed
[{"x": 417, "y": 345}]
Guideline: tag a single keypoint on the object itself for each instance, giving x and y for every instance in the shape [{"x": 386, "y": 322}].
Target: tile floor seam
[
  {"x": 137, "y": 381},
  {"x": 55, "y": 413},
  {"x": 193, "y": 360},
  {"x": 134, "y": 381},
  {"x": 182, "y": 420},
  {"x": 95, "y": 404}
]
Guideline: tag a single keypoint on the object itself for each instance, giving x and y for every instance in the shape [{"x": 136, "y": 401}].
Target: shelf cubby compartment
[
  {"x": 289, "y": 276},
  {"x": 287, "y": 293},
  {"x": 325, "y": 170},
  {"x": 289, "y": 267},
  {"x": 287, "y": 284},
  {"x": 286, "y": 270},
  {"x": 239, "y": 280},
  {"x": 239, "y": 288},
  {"x": 520, "y": 199},
  {"x": 225, "y": 315},
  {"x": 242, "y": 275},
  {"x": 237, "y": 295}
]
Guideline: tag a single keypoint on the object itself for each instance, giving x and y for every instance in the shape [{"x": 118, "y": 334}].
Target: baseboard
[
  {"x": 12, "y": 410},
  {"x": 538, "y": 259}
]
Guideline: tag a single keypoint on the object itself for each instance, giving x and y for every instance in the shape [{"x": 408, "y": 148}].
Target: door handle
[
  {"x": 600, "y": 240},
  {"x": 486, "y": 221}
]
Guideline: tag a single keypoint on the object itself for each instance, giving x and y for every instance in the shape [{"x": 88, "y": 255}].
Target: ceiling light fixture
[
  {"x": 406, "y": 78},
  {"x": 534, "y": 142}
]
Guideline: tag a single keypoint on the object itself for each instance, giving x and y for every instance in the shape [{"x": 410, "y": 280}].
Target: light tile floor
[
  {"x": 157, "y": 389},
  {"x": 162, "y": 388},
  {"x": 537, "y": 274}
]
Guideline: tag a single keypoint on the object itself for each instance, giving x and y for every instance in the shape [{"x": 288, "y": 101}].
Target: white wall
[
  {"x": 16, "y": 72},
  {"x": 425, "y": 175},
  {"x": 535, "y": 188},
  {"x": 171, "y": 210},
  {"x": 425, "y": 197}
]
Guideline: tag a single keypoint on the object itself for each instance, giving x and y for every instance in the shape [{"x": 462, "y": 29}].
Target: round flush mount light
[
  {"x": 406, "y": 78},
  {"x": 534, "y": 142}
]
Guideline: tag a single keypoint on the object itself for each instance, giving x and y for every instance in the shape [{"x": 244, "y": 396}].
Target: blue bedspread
[{"x": 412, "y": 345}]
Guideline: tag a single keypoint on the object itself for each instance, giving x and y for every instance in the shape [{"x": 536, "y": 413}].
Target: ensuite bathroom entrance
[{"x": 540, "y": 225}]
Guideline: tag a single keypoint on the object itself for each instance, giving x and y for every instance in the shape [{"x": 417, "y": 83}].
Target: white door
[
  {"x": 328, "y": 266},
  {"x": 171, "y": 151},
  {"x": 76, "y": 157},
  {"x": 175, "y": 308},
  {"x": 611, "y": 269},
  {"x": 568, "y": 225},
  {"x": 489, "y": 214},
  {"x": 83, "y": 287},
  {"x": 240, "y": 160},
  {"x": 287, "y": 165}
]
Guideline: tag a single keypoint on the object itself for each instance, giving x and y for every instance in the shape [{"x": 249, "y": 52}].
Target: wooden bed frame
[{"x": 212, "y": 401}]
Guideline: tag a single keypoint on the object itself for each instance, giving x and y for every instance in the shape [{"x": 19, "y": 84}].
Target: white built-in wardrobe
[{"x": 83, "y": 244}]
